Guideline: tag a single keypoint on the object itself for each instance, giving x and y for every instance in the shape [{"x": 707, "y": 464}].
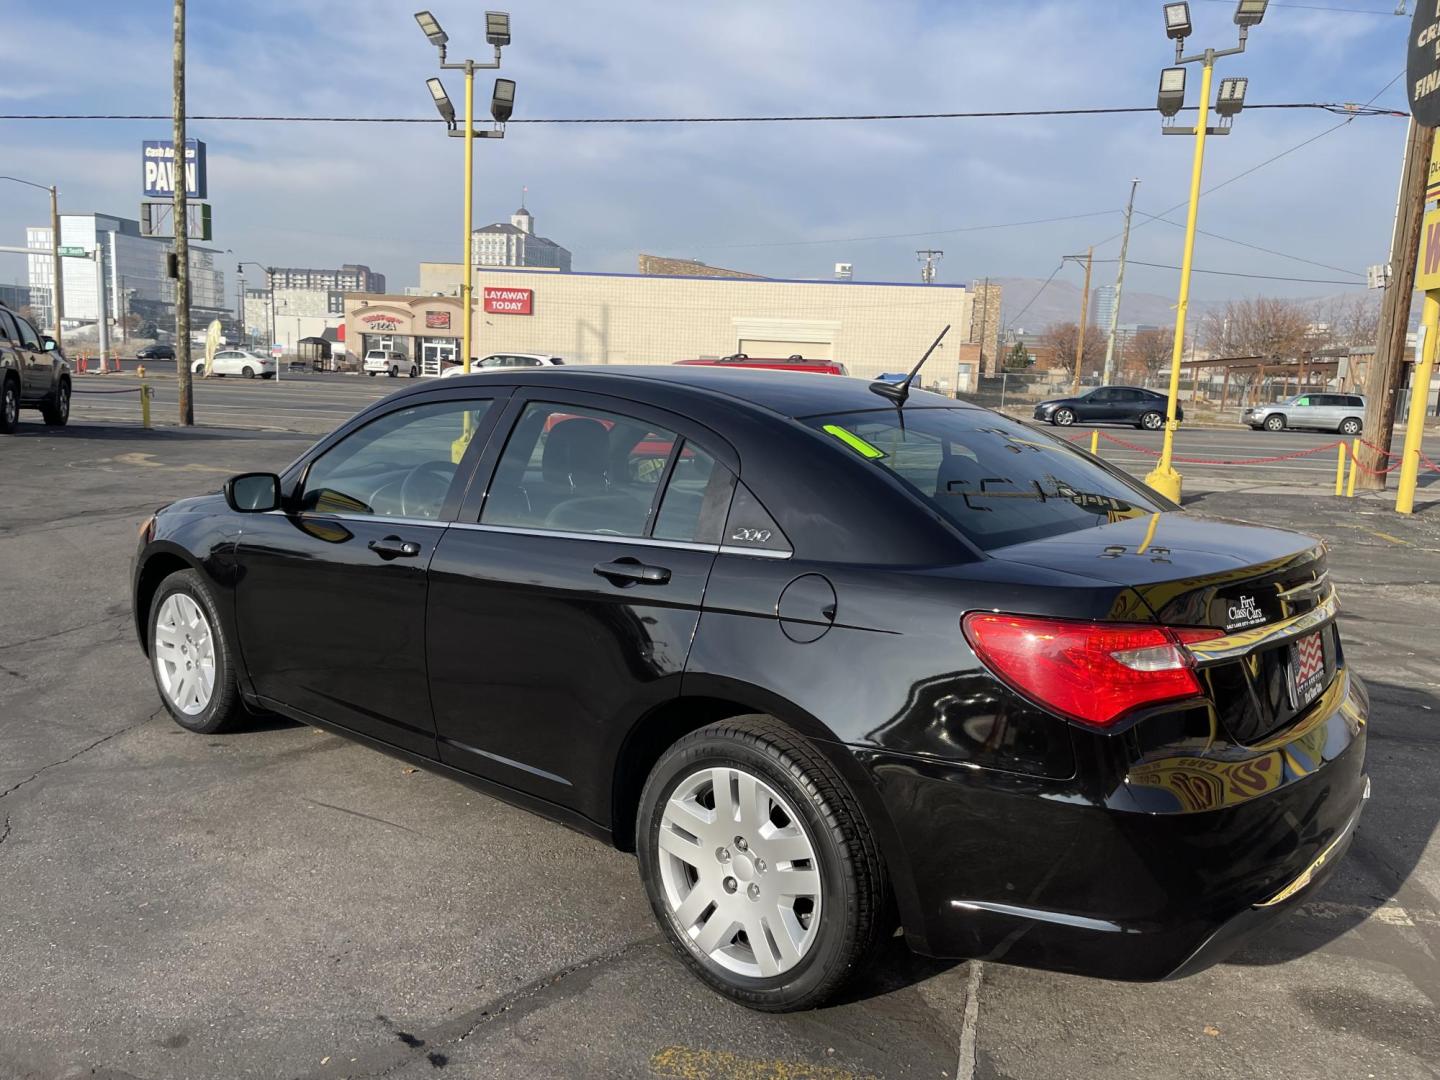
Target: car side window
[
  {"x": 28, "y": 336},
  {"x": 580, "y": 470},
  {"x": 1101, "y": 396},
  {"x": 1355, "y": 402},
  {"x": 7, "y": 327},
  {"x": 696, "y": 499},
  {"x": 400, "y": 465},
  {"x": 1303, "y": 402}
]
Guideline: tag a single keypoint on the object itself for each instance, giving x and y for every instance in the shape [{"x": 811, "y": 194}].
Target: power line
[
  {"x": 912, "y": 235},
  {"x": 1016, "y": 317},
  {"x": 1239, "y": 274},
  {"x": 1349, "y": 108},
  {"x": 1256, "y": 247}
]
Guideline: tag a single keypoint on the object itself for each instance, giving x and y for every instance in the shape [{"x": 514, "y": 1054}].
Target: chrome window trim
[
  {"x": 1233, "y": 646},
  {"x": 763, "y": 553},
  {"x": 559, "y": 534},
  {"x": 436, "y": 523}
]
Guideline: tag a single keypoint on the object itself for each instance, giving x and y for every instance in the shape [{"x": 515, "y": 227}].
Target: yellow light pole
[
  {"x": 467, "y": 283},
  {"x": 1164, "y": 478},
  {"x": 1419, "y": 400}
]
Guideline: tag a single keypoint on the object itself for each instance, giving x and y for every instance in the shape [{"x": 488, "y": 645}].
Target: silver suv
[
  {"x": 33, "y": 373},
  {"x": 1344, "y": 413}
]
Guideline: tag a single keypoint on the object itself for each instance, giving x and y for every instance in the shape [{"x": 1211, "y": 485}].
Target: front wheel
[
  {"x": 9, "y": 404},
  {"x": 1063, "y": 417},
  {"x": 1350, "y": 426},
  {"x": 1152, "y": 421},
  {"x": 759, "y": 865},
  {"x": 190, "y": 656},
  {"x": 371, "y": 374},
  {"x": 56, "y": 411},
  {"x": 1275, "y": 423}
]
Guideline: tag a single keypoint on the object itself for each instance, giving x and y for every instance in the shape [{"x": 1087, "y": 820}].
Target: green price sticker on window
[{"x": 855, "y": 442}]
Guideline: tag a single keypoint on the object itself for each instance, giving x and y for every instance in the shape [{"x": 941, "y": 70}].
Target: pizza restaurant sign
[
  {"x": 509, "y": 301},
  {"x": 380, "y": 321}
]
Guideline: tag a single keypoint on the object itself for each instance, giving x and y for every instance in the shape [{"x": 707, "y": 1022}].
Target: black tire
[
  {"x": 56, "y": 411},
  {"x": 9, "y": 404},
  {"x": 1063, "y": 417},
  {"x": 855, "y": 909},
  {"x": 1151, "y": 421},
  {"x": 1274, "y": 422},
  {"x": 414, "y": 371},
  {"x": 371, "y": 374},
  {"x": 1351, "y": 425},
  {"x": 394, "y": 372},
  {"x": 225, "y": 710},
  {"x": 248, "y": 371},
  {"x": 268, "y": 375}
]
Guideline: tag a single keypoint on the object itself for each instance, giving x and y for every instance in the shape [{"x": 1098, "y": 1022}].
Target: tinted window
[
  {"x": 1304, "y": 401},
  {"x": 998, "y": 481},
  {"x": 400, "y": 465},
  {"x": 696, "y": 498},
  {"x": 7, "y": 327},
  {"x": 750, "y": 525},
  {"x": 1101, "y": 396},
  {"x": 1129, "y": 395},
  {"x": 579, "y": 470},
  {"x": 27, "y": 332}
]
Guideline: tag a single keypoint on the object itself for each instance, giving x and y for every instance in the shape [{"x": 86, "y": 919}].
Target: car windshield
[{"x": 998, "y": 481}]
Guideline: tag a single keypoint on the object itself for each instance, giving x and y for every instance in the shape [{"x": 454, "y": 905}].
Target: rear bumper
[{"x": 1035, "y": 872}]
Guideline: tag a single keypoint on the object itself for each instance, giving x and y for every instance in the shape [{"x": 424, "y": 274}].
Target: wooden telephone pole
[
  {"x": 1382, "y": 382},
  {"x": 1084, "y": 311},
  {"x": 178, "y": 177}
]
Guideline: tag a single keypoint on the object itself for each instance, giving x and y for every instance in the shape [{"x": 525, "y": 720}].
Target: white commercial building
[
  {"x": 133, "y": 268},
  {"x": 515, "y": 244}
]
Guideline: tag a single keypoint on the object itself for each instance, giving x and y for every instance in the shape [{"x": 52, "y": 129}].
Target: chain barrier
[{"x": 126, "y": 390}]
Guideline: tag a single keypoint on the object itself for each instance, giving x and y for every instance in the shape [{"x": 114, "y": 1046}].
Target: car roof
[{"x": 789, "y": 393}]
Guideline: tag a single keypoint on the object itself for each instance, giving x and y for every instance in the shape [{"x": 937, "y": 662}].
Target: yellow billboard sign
[
  {"x": 1432, "y": 179},
  {"x": 1427, "y": 276}
]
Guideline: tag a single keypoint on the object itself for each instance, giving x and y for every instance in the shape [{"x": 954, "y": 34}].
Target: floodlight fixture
[
  {"x": 502, "y": 100},
  {"x": 442, "y": 102},
  {"x": 1232, "y": 96},
  {"x": 431, "y": 28},
  {"x": 497, "y": 28},
  {"x": 1248, "y": 13},
  {"x": 1177, "y": 21},
  {"x": 1172, "y": 91}
]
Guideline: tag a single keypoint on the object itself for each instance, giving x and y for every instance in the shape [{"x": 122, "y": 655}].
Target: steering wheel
[{"x": 424, "y": 489}]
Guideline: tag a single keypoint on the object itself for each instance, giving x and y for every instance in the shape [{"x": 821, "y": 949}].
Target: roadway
[{"x": 313, "y": 404}]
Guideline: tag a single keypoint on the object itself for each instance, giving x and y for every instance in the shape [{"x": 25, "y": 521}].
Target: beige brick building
[{"x": 596, "y": 318}]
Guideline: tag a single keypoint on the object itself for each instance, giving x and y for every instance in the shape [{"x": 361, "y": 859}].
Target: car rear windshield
[{"x": 998, "y": 481}]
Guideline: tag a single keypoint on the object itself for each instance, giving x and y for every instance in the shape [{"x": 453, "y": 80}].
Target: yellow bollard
[
  {"x": 1354, "y": 467},
  {"x": 1095, "y": 442},
  {"x": 145, "y": 405},
  {"x": 1340, "y": 469}
]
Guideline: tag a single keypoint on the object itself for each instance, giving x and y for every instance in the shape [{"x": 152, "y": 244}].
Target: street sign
[
  {"x": 1428, "y": 275},
  {"x": 1423, "y": 68},
  {"x": 73, "y": 252}
]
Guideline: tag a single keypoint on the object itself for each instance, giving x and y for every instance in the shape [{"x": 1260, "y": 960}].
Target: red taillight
[{"x": 1093, "y": 672}]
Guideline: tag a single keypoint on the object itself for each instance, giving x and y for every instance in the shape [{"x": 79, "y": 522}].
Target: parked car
[
  {"x": 243, "y": 362},
  {"x": 156, "y": 352},
  {"x": 503, "y": 360},
  {"x": 34, "y": 373},
  {"x": 1133, "y": 405},
  {"x": 1344, "y": 413},
  {"x": 794, "y": 362},
  {"x": 835, "y": 658},
  {"x": 388, "y": 362}
]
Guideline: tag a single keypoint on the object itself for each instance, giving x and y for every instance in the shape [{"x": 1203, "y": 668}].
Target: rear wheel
[
  {"x": 1350, "y": 426},
  {"x": 56, "y": 411},
  {"x": 1152, "y": 421},
  {"x": 190, "y": 656},
  {"x": 371, "y": 374},
  {"x": 1275, "y": 422},
  {"x": 9, "y": 404},
  {"x": 759, "y": 864},
  {"x": 248, "y": 371},
  {"x": 1063, "y": 417},
  {"x": 414, "y": 371}
]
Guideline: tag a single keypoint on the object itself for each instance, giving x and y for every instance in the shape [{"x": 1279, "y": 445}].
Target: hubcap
[
  {"x": 64, "y": 402},
  {"x": 12, "y": 406},
  {"x": 184, "y": 654},
  {"x": 739, "y": 872}
]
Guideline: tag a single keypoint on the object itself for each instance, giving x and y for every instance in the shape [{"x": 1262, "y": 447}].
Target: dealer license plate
[{"x": 1307, "y": 669}]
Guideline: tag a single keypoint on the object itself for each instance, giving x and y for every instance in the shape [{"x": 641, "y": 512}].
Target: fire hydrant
[{"x": 140, "y": 370}]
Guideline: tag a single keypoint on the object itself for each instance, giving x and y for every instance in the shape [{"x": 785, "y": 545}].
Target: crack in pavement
[
  {"x": 78, "y": 753},
  {"x": 517, "y": 1003},
  {"x": 59, "y": 633}
]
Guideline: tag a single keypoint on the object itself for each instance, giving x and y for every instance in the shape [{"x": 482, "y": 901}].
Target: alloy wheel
[
  {"x": 184, "y": 653},
  {"x": 739, "y": 871},
  {"x": 1152, "y": 421},
  {"x": 11, "y": 406},
  {"x": 1064, "y": 417}
]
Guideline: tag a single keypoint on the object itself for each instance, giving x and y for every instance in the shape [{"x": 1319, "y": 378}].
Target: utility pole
[
  {"x": 1382, "y": 381},
  {"x": 182, "y": 229},
  {"x": 929, "y": 257},
  {"x": 1084, "y": 311},
  {"x": 1109, "y": 373}
]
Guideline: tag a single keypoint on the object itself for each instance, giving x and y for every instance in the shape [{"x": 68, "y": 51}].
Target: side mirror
[
  {"x": 49, "y": 343},
  {"x": 253, "y": 493}
]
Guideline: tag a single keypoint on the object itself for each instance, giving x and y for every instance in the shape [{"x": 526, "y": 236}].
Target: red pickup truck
[{"x": 789, "y": 363}]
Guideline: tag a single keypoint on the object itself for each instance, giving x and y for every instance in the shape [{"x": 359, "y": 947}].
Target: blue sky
[{"x": 780, "y": 199}]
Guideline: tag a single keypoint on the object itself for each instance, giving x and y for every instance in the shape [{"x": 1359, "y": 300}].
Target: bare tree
[
  {"x": 1150, "y": 351},
  {"x": 1061, "y": 337},
  {"x": 1349, "y": 320},
  {"x": 1266, "y": 326}
]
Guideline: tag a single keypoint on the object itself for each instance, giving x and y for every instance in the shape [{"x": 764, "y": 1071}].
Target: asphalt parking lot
[{"x": 281, "y": 903}]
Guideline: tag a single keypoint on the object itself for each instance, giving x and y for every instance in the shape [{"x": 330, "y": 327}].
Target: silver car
[{"x": 1344, "y": 413}]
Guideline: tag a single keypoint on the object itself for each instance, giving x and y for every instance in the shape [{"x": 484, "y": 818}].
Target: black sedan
[
  {"x": 156, "y": 352},
  {"x": 1133, "y": 405},
  {"x": 826, "y": 664}
]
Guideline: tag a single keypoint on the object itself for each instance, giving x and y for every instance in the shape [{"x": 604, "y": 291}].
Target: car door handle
[
  {"x": 392, "y": 547},
  {"x": 628, "y": 571}
]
